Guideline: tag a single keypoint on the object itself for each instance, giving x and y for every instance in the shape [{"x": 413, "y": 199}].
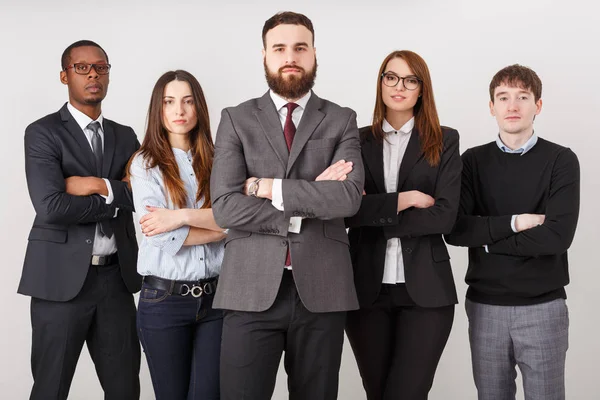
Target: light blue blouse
[{"x": 164, "y": 255}]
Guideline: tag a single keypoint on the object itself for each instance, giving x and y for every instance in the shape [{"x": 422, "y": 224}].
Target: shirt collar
[
  {"x": 521, "y": 150},
  {"x": 280, "y": 102},
  {"x": 83, "y": 120},
  {"x": 406, "y": 128}
]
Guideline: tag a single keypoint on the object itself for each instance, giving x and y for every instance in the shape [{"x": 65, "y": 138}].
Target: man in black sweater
[{"x": 518, "y": 213}]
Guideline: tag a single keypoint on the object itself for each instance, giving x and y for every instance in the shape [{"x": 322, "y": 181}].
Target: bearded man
[{"x": 287, "y": 170}]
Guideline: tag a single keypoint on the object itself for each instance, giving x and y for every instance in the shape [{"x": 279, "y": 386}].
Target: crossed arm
[
  {"x": 75, "y": 200},
  {"x": 325, "y": 198},
  {"x": 537, "y": 235}
]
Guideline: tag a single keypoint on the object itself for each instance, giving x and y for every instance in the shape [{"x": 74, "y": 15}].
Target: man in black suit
[{"x": 80, "y": 285}]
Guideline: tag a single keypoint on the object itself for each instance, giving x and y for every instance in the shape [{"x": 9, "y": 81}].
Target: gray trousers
[{"x": 533, "y": 337}]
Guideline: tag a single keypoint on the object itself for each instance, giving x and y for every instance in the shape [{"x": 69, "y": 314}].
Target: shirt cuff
[
  {"x": 173, "y": 241},
  {"x": 295, "y": 224},
  {"x": 109, "y": 199},
  {"x": 513, "y": 225},
  {"x": 277, "y": 195}
]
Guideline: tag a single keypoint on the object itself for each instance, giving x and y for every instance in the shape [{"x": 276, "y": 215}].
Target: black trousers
[
  {"x": 253, "y": 342},
  {"x": 101, "y": 315},
  {"x": 398, "y": 344}
]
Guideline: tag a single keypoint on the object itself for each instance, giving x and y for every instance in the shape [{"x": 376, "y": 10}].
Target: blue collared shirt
[
  {"x": 521, "y": 150},
  {"x": 164, "y": 255}
]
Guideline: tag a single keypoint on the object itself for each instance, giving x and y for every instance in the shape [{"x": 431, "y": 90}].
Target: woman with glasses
[
  {"x": 401, "y": 265},
  {"x": 182, "y": 249}
]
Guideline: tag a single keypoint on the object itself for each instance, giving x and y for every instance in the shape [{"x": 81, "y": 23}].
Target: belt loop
[{"x": 170, "y": 292}]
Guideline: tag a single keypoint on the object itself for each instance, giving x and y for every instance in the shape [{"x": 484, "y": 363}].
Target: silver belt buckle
[
  {"x": 96, "y": 260},
  {"x": 197, "y": 291}
]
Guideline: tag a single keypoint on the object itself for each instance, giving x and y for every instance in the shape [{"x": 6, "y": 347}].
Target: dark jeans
[
  {"x": 181, "y": 336},
  {"x": 102, "y": 316}
]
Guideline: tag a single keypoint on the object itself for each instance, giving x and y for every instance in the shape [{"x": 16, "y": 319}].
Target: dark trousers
[
  {"x": 181, "y": 336},
  {"x": 101, "y": 315},
  {"x": 254, "y": 341},
  {"x": 398, "y": 344}
]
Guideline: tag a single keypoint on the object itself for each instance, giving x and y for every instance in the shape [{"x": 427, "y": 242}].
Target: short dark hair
[
  {"x": 289, "y": 18},
  {"x": 66, "y": 55},
  {"x": 517, "y": 76}
]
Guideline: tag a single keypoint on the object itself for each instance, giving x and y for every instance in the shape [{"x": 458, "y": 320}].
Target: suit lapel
[
  {"x": 85, "y": 155},
  {"x": 109, "y": 147},
  {"x": 311, "y": 118},
  {"x": 372, "y": 150},
  {"x": 271, "y": 125},
  {"x": 411, "y": 156}
]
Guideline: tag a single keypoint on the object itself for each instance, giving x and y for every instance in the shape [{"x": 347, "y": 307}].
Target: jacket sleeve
[
  {"x": 46, "y": 184},
  {"x": 121, "y": 190},
  {"x": 329, "y": 199},
  {"x": 556, "y": 234},
  {"x": 231, "y": 207},
  {"x": 472, "y": 230},
  {"x": 439, "y": 218}
]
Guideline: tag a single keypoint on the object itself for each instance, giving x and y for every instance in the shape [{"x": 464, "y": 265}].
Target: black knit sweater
[{"x": 522, "y": 268}]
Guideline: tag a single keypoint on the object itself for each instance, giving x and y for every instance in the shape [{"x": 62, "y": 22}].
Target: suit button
[
  {"x": 390, "y": 220},
  {"x": 408, "y": 250},
  {"x": 284, "y": 243},
  {"x": 296, "y": 213},
  {"x": 382, "y": 220},
  {"x": 88, "y": 241}
]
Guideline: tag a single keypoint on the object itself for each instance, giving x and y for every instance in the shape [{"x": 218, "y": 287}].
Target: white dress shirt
[
  {"x": 103, "y": 245},
  {"x": 394, "y": 147},
  {"x": 277, "y": 190}
]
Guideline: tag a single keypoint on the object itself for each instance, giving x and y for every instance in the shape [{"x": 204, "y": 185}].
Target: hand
[
  {"x": 336, "y": 172},
  {"x": 528, "y": 221},
  {"x": 85, "y": 186},
  {"x": 414, "y": 198},
  {"x": 160, "y": 220},
  {"x": 265, "y": 187}
]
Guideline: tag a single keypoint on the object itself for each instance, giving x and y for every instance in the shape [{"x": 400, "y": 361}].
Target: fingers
[{"x": 336, "y": 172}]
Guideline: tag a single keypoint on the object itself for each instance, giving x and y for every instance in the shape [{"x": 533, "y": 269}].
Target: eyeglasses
[
  {"x": 84, "y": 69},
  {"x": 409, "y": 82}
]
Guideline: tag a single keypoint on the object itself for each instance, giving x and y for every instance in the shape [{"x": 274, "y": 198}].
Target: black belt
[
  {"x": 105, "y": 260},
  {"x": 183, "y": 288}
]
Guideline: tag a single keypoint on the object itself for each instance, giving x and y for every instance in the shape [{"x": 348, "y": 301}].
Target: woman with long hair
[
  {"x": 182, "y": 249},
  {"x": 401, "y": 265}
]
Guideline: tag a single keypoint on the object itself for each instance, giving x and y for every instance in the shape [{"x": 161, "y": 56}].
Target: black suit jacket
[
  {"x": 429, "y": 279},
  {"x": 60, "y": 242}
]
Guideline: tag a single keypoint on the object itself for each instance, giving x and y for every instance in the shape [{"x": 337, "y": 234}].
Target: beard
[{"x": 292, "y": 87}]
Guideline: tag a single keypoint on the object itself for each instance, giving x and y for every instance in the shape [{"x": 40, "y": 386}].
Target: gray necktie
[
  {"x": 105, "y": 228},
  {"x": 96, "y": 146}
]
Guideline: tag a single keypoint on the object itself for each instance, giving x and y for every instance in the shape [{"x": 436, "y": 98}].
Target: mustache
[{"x": 290, "y": 66}]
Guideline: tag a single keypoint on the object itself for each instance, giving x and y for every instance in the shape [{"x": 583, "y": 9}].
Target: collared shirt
[
  {"x": 282, "y": 111},
  {"x": 102, "y": 244},
  {"x": 394, "y": 147},
  {"x": 521, "y": 150},
  {"x": 164, "y": 255}
]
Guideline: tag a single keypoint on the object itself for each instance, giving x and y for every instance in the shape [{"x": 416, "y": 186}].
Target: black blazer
[
  {"x": 429, "y": 279},
  {"x": 60, "y": 242}
]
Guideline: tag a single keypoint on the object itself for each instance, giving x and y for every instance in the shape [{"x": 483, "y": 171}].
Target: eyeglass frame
[
  {"x": 90, "y": 70},
  {"x": 400, "y": 78}
]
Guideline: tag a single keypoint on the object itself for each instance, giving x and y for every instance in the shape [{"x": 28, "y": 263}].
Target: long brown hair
[
  {"x": 156, "y": 149},
  {"x": 425, "y": 112}
]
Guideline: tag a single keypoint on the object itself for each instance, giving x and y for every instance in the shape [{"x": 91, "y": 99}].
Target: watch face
[{"x": 252, "y": 188}]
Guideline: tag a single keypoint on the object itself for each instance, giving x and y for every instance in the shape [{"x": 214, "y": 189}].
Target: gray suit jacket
[{"x": 250, "y": 142}]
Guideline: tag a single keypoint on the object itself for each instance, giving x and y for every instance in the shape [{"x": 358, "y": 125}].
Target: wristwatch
[{"x": 253, "y": 188}]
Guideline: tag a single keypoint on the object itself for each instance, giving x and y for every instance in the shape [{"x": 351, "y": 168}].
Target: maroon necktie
[{"x": 289, "y": 130}]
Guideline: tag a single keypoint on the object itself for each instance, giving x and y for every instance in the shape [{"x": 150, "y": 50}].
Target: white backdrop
[{"x": 464, "y": 42}]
